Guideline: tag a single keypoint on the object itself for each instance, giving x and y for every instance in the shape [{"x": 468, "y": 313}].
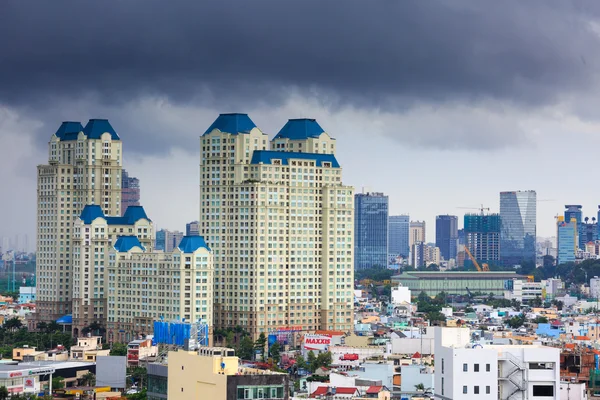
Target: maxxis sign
[{"x": 316, "y": 342}]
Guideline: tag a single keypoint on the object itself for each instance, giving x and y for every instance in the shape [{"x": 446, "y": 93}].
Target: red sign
[
  {"x": 13, "y": 374},
  {"x": 318, "y": 341}
]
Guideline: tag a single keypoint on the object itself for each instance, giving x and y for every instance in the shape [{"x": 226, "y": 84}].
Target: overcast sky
[{"x": 439, "y": 104}]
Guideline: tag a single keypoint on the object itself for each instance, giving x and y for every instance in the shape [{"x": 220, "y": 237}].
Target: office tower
[
  {"x": 588, "y": 232},
  {"x": 398, "y": 233},
  {"x": 280, "y": 224},
  {"x": 192, "y": 229},
  {"x": 130, "y": 191},
  {"x": 461, "y": 237},
  {"x": 446, "y": 235},
  {"x": 566, "y": 233},
  {"x": 417, "y": 232},
  {"x": 167, "y": 240},
  {"x": 518, "y": 227},
  {"x": 573, "y": 211},
  {"x": 171, "y": 286},
  {"x": 370, "y": 230},
  {"x": 84, "y": 167},
  {"x": 482, "y": 237},
  {"x": 94, "y": 236}
]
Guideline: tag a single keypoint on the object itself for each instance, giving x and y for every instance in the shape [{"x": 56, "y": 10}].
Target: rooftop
[
  {"x": 232, "y": 123},
  {"x": 94, "y": 129},
  {"x": 132, "y": 214},
  {"x": 190, "y": 244},
  {"x": 126, "y": 243},
  {"x": 459, "y": 275},
  {"x": 266, "y": 157},
  {"x": 298, "y": 129}
]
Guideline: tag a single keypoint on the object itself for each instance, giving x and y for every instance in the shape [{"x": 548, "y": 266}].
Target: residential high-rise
[
  {"x": 192, "y": 228},
  {"x": 130, "y": 191},
  {"x": 370, "y": 230},
  {"x": 398, "y": 233},
  {"x": 566, "y": 233},
  {"x": 417, "y": 232},
  {"x": 518, "y": 227},
  {"x": 84, "y": 167},
  {"x": 171, "y": 286},
  {"x": 446, "y": 235},
  {"x": 281, "y": 226},
  {"x": 94, "y": 236},
  {"x": 482, "y": 237}
]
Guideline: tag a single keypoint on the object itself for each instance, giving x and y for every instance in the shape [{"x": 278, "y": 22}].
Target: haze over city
[{"x": 438, "y": 105}]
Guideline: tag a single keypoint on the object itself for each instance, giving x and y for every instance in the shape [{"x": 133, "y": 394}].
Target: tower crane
[
  {"x": 481, "y": 209},
  {"x": 485, "y": 266}
]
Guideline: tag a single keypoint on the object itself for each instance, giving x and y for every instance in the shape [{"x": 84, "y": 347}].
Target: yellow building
[
  {"x": 214, "y": 373},
  {"x": 281, "y": 224},
  {"x": 84, "y": 167},
  {"x": 94, "y": 236},
  {"x": 147, "y": 285},
  {"x": 88, "y": 348}
]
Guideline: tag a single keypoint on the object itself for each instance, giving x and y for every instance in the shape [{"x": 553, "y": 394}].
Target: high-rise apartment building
[
  {"x": 370, "y": 230},
  {"x": 94, "y": 236},
  {"x": 280, "y": 223},
  {"x": 398, "y": 233},
  {"x": 84, "y": 167},
  {"x": 167, "y": 240},
  {"x": 566, "y": 233},
  {"x": 518, "y": 227},
  {"x": 446, "y": 235},
  {"x": 130, "y": 191},
  {"x": 192, "y": 228},
  {"x": 417, "y": 232},
  {"x": 482, "y": 237},
  {"x": 145, "y": 285}
]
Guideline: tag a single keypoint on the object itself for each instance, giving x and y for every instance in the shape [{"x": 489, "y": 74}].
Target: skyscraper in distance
[
  {"x": 398, "y": 235},
  {"x": 130, "y": 191},
  {"x": 370, "y": 230},
  {"x": 482, "y": 237},
  {"x": 192, "y": 228},
  {"x": 84, "y": 167},
  {"x": 280, "y": 223},
  {"x": 518, "y": 227},
  {"x": 418, "y": 233},
  {"x": 446, "y": 235},
  {"x": 566, "y": 234}
]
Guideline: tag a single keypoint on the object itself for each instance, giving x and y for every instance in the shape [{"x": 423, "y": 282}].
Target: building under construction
[
  {"x": 581, "y": 364},
  {"x": 482, "y": 237}
]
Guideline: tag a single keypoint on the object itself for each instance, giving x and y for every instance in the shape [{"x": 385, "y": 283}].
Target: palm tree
[
  {"x": 42, "y": 326},
  {"x": 419, "y": 387},
  {"x": 13, "y": 324},
  {"x": 88, "y": 379}
]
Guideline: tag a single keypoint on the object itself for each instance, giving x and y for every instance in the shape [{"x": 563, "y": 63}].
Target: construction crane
[
  {"x": 481, "y": 209},
  {"x": 485, "y": 266}
]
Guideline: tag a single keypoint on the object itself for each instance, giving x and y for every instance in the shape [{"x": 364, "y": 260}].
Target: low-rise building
[
  {"x": 26, "y": 294},
  {"x": 139, "y": 351},
  {"x": 88, "y": 348}
]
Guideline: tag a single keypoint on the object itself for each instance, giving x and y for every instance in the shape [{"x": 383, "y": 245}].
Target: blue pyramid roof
[
  {"x": 90, "y": 213},
  {"x": 232, "y": 123},
  {"x": 126, "y": 243},
  {"x": 132, "y": 215},
  {"x": 298, "y": 129},
  {"x": 190, "y": 244},
  {"x": 96, "y": 127},
  {"x": 69, "y": 128}
]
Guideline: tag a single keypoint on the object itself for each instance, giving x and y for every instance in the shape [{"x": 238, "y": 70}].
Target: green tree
[
  {"x": 274, "y": 352},
  {"x": 138, "y": 396},
  {"x": 3, "y": 393},
  {"x": 323, "y": 360},
  {"x": 139, "y": 376},
  {"x": 537, "y": 302},
  {"x": 434, "y": 316},
  {"x": 42, "y": 326},
  {"x": 88, "y": 379},
  {"x": 53, "y": 327},
  {"x": 516, "y": 321},
  {"x": 13, "y": 324},
  {"x": 58, "y": 382},
  {"x": 260, "y": 344},
  {"x": 118, "y": 349},
  {"x": 229, "y": 339},
  {"x": 419, "y": 387},
  {"x": 541, "y": 320},
  {"x": 310, "y": 361},
  {"x": 301, "y": 363},
  {"x": 245, "y": 349},
  {"x": 423, "y": 297}
]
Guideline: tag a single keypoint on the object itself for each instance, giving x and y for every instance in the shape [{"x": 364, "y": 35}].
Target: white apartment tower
[
  {"x": 280, "y": 224},
  {"x": 94, "y": 236},
  {"x": 84, "y": 167},
  {"x": 146, "y": 285}
]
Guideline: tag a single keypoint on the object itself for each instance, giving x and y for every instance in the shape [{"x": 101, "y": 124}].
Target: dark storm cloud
[{"x": 369, "y": 54}]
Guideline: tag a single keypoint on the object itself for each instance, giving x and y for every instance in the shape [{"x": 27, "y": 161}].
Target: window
[
  {"x": 476, "y": 367},
  {"x": 547, "y": 365},
  {"x": 442, "y": 385},
  {"x": 442, "y": 365},
  {"x": 488, "y": 390},
  {"x": 488, "y": 367},
  {"x": 476, "y": 389},
  {"x": 465, "y": 368},
  {"x": 464, "y": 390},
  {"x": 543, "y": 390}
]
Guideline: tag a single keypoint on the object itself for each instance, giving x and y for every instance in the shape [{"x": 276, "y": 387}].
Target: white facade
[
  {"x": 281, "y": 225},
  {"x": 84, "y": 167},
  {"x": 573, "y": 391},
  {"x": 400, "y": 294},
  {"x": 524, "y": 291},
  {"x": 467, "y": 371}
]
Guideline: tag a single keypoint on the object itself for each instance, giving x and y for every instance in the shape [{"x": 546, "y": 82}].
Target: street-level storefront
[{"x": 18, "y": 379}]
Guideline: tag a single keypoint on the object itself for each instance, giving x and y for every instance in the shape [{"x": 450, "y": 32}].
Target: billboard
[
  {"x": 316, "y": 342},
  {"x": 111, "y": 371}
]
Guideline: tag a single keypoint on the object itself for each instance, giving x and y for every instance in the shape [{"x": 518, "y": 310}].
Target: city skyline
[{"x": 446, "y": 110}]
